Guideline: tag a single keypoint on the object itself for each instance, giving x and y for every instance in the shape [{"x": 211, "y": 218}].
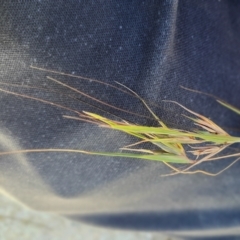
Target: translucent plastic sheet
[{"x": 152, "y": 48}]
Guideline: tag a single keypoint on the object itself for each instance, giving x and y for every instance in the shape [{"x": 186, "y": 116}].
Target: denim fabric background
[{"x": 152, "y": 47}]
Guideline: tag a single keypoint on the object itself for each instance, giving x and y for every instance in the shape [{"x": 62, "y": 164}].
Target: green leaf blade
[
  {"x": 229, "y": 106},
  {"x": 170, "y": 158}
]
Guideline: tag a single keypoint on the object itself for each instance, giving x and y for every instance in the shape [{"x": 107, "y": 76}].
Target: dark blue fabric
[{"x": 152, "y": 47}]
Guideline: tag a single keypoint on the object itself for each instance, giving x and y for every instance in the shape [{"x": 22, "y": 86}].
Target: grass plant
[{"x": 206, "y": 142}]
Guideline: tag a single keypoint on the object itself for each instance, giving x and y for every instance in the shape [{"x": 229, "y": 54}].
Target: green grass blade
[
  {"x": 155, "y": 157},
  {"x": 229, "y": 106}
]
